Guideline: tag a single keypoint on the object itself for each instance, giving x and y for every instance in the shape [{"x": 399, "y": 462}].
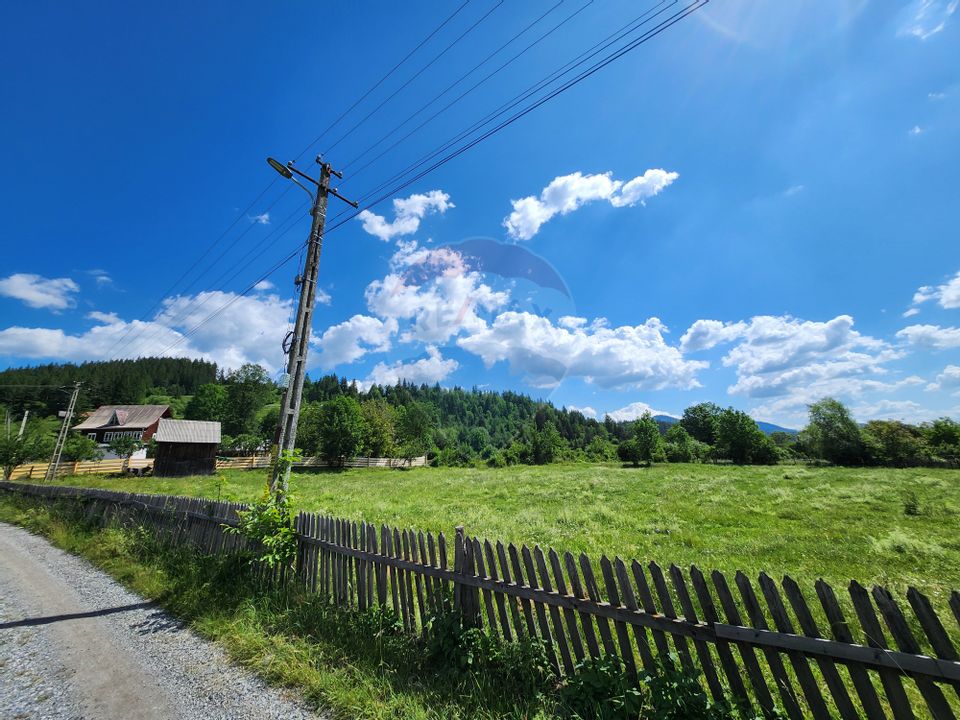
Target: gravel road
[{"x": 75, "y": 644}]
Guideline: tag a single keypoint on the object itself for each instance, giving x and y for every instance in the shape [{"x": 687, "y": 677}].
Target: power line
[
  {"x": 419, "y": 72},
  {"x": 605, "y": 61},
  {"x": 243, "y": 213}
]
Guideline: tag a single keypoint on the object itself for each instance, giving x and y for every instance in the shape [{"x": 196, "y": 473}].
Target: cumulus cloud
[
  {"x": 429, "y": 370},
  {"x": 925, "y": 18},
  {"x": 261, "y": 219},
  {"x": 434, "y": 292},
  {"x": 787, "y": 363},
  {"x": 628, "y": 356},
  {"x": 933, "y": 337},
  {"x": 633, "y": 411},
  {"x": 39, "y": 292},
  {"x": 566, "y": 193},
  {"x": 248, "y": 329},
  {"x": 264, "y": 285},
  {"x": 408, "y": 212},
  {"x": 706, "y": 334},
  {"x": 946, "y": 295},
  {"x": 352, "y": 339},
  {"x": 586, "y": 410},
  {"x": 949, "y": 379}
]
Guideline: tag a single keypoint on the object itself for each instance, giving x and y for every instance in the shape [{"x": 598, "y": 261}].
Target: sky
[{"x": 756, "y": 207}]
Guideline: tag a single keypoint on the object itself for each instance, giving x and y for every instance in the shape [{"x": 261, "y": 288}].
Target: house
[
  {"x": 186, "y": 447},
  {"x": 108, "y": 422}
]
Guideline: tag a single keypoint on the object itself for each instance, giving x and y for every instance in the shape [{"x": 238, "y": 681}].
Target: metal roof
[
  {"x": 122, "y": 417},
  {"x": 188, "y": 431}
]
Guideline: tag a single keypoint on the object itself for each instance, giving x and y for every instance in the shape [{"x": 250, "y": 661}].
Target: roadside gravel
[{"x": 76, "y": 644}]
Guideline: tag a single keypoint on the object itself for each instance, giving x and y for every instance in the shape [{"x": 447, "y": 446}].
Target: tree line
[{"x": 460, "y": 427}]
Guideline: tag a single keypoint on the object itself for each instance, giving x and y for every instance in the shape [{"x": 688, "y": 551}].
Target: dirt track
[{"x": 76, "y": 644}]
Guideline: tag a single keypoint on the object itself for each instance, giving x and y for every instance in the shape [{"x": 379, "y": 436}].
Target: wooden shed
[{"x": 186, "y": 447}]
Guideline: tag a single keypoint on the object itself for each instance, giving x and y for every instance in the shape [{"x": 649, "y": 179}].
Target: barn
[{"x": 186, "y": 447}]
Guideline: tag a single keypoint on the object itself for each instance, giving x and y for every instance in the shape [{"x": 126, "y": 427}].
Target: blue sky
[{"x": 757, "y": 207}]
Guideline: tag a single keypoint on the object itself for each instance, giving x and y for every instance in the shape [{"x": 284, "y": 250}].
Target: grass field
[{"x": 893, "y": 527}]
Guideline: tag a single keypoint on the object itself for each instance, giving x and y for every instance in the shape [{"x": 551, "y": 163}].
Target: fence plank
[
  {"x": 666, "y": 604},
  {"x": 524, "y": 602},
  {"x": 892, "y": 685},
  {"x": 517, "y": 605},
  {"x": 649, "y": 607},
  {"x": 838, "y": 689},
  {"x": 630, "y": 602},
  {"x": 932, "y": 627},
  {"x": 593, "y": 592},
  {"x": 808, "y": 683},
  {"x": 760, "y": 689},
  {"x": 727, "y": 661},
  {"x": 429, "y": 582},
  {"x": 586, "y": 619},
  {"x": 487, "y": 595},
  {"x": 442, "y": 555},
  {"x": 905, "y": 640},
  {"x": 406, "y": 597},
  {"x": 757, "y": 620},
  {"x": 501, "y": 604},
  {"x": 623, "y": 635},
  {"x": 573, "y": 629},
  {"x": 558, "y": 629},
  {"x": 418, "y": 577},
  {"x": 703, "y": 650},
  {"x": 542, "y": 622}
]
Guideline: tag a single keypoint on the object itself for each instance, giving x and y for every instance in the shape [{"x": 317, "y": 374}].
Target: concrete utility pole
[
  {"x": 299, "y": 339},
  {"x": 54, "y": 464}
]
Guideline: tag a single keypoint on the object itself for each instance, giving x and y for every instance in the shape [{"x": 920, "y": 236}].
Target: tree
[
  {"x": 833, "y": 434},
  {"x": 123, "y": 447},
  {"x": 680, "y": 445},
  {"x": 416, "y": 423},
  {"x": 248, "y": 389},
  {"x": 16, "y": 451},
  {"x": 700, "y": 421},
  {"x": 341, "y": 428},
  {"x": 894, "y": 444},
  {"x": 379, "y": 431},
  {"x": 738, "y": 436},
  {"x": 79, "y": 448},
  {"x": 546, "y": 445},
  {"x": 209, "y": 403},
  {"x": 943, "y": 438},
  {"x": 646, "y": 434},
  {"x": 629, "y": 451}
]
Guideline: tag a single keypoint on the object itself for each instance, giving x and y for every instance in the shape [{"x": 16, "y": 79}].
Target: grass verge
[{"x": 357, "y": 665}]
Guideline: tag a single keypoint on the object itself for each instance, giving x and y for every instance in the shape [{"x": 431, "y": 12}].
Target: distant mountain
[{"x": 666, "y": 421}]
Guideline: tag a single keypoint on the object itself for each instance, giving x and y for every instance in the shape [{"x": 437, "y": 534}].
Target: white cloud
[
  {"x": 429, "y": 370},
  {"x": 931, "y": 336},
  {"x": 408, "y": 214},
  {"x": 628, "y": 356},
  {"x": 248, "y": 329},
  {"x": 705, "y": 334},
  {"x": 947, "y": 380},
  {"x": 886, "y": 409},
  {"x": 352, "y": 339},
  {"x": 915, "y": 130},
  {"x": 566, "y": 193},
  {"x": 40, "y": 292},
  {"x": 264, "y": 285},
  {"x": 794, "y": 190},
  {"x": 434, "y": 291},
  {"x": 926, "y": 18},
  {"x": 322, "y": 296},
  {"x": 633, "y": 411},
  {"x": 261, "y": 219},
  {"x": 947, "y": 295},
  {"x": 101, "y": 277},
  {"x": 586, "y": 410},
  {"x": 910, "y": 312},
  {"x": 937, "y": 95}
]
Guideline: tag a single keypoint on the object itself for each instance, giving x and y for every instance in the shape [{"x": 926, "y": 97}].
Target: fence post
[{"x": 465, "y": 597}]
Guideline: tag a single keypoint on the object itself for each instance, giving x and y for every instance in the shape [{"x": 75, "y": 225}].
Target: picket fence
[
  {"x": 880, "y": 661},
  {"x": 251, "y": 462}
]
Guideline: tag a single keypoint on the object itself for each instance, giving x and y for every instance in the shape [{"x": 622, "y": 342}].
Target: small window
[
  {"x": 107, "y": 437},
  {"x": 92, "y": 436}
]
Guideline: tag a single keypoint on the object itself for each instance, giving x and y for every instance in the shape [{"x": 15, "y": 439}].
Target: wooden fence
[
  {"x": 252, "y": 462},
  {"x": 869, "y": 655}
]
